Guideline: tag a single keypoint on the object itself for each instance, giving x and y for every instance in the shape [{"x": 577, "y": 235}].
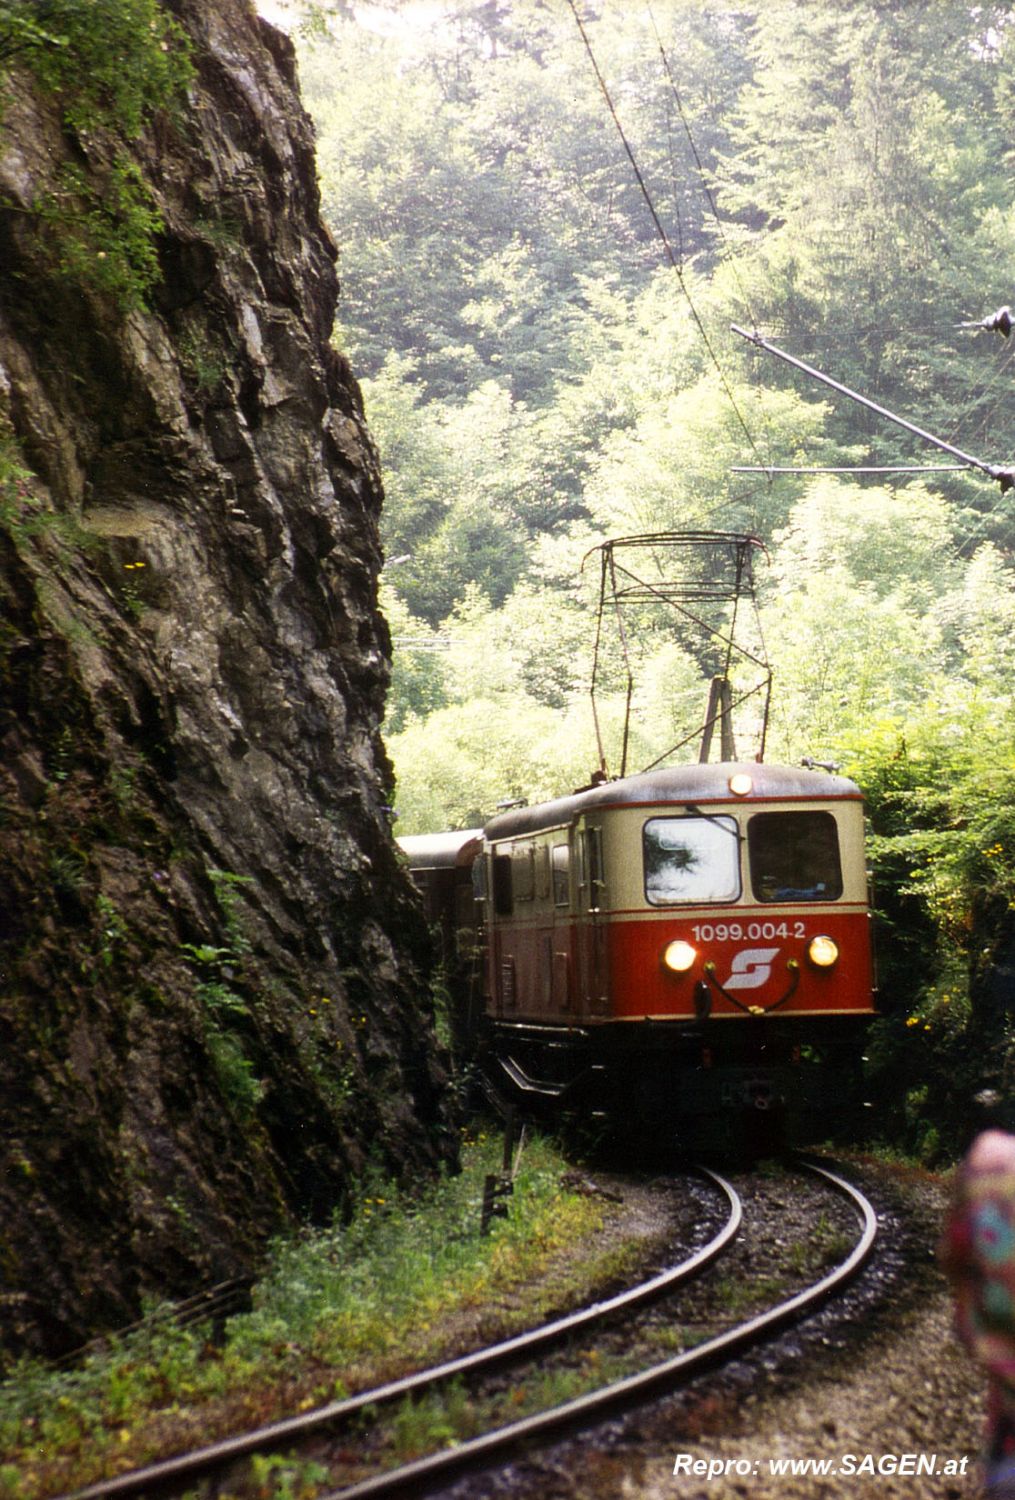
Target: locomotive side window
[
  {"x": 691, "y": 860},
  {"x": 794, "y": 856},
  {"x": 594, "y": 867},
  {"x": 561, "y": 883}
]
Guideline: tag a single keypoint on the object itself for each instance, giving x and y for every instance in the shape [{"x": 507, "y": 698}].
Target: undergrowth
[
  {"x": 111, "y": 66},
  {"x": 337, "y": 1311}
]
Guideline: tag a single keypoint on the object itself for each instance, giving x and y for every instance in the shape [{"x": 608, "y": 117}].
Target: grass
[
  {"x": 402, "y": 1284},
  {"x": 824, "y": 1248},
  {"x": 450, "y": 1416},
  {"x": 742, "y": 1296}
]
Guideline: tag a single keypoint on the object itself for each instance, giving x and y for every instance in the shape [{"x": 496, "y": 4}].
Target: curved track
[
  {"x": 419, "y": 1478},
  {"x": 189, "y": 1467}
]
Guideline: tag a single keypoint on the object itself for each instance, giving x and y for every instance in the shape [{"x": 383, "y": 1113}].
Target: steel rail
[
  {"x": 419, "y": 1478},
  {"x": 186, "y": 1466}
]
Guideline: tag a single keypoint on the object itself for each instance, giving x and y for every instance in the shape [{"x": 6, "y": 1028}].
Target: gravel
[{"x": 878, "y": 1376}]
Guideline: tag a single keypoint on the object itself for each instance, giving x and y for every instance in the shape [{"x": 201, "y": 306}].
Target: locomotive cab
[{"x": 687, "y": 949}]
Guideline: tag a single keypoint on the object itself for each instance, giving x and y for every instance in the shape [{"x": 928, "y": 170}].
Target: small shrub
[
  {"x": 234, "y": 1071},
  {"x": 111, "y": 65}
]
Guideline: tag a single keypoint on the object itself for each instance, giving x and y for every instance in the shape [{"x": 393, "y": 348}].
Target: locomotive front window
[
  {"x": 691, "y": 860},
  {"x": 794, "y": 856}
]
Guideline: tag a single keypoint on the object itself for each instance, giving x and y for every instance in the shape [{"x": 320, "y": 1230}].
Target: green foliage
[
  {"x": 465, "y": 488},
  {"x": 456, "y": 767},
  {"x": 495, "y": 242},
  {"x": 234, "y": 1071},
  {"x": 939, "y": 788},
  {"x": 225, "y": 1012},
  {"x": 417, "y": 677},
  {"x": 24, "y": 515},
  {"x": 206, "y": 365},
  {"x": 104, "y": 238},
  {"x": 219, "y": 1000},
  {"x": 111, "y": 65},
  {"x": 227, "y": 887},
  {"x": 113, "y": 931},
  {"x": 846, "y": 103},
  {"x": 286, "y": 1478},
  {"x": 334, "y": 1309},
  {"x": 110, "y": 62},
  {"x": 532, "y": 372}
]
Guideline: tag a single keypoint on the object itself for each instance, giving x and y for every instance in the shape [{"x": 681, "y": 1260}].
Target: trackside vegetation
[{"x": 402, "y": 1281}]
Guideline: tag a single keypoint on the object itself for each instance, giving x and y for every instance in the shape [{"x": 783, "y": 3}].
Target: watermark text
[{"x": 847, "y": 1465}]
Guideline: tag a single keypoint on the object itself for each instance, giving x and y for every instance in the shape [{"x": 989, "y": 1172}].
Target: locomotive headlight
[
  {"x": 679, "y": 956},
  {"x": 740, "y": 784},
  {"x": 823, "y": 952}
]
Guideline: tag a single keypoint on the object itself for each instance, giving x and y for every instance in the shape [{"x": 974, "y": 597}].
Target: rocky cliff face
[{"x": 213, "y": 998}]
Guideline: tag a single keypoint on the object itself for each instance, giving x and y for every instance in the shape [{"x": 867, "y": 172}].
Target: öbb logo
[{"x": 750, "y": 969}]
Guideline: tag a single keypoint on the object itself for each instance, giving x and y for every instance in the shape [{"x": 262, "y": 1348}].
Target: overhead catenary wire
[
  {"x": 1004, "y": 475},
  {"x": 702, "y": 174},
  {"x": 850, "y": 469},
  {"x": 981, "y": 392},
  {"x": 660, "y": 229},
  {"x": 728, "y": 256},
  {"x": 999, "y": 322},
  {"x": 965, "y": 546}
]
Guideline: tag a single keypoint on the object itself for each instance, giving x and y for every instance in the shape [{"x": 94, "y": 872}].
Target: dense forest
[{"x": 545, "y": 350}]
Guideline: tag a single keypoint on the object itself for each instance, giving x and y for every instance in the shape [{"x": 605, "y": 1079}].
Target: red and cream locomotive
[{"x": 681, "y": 948}]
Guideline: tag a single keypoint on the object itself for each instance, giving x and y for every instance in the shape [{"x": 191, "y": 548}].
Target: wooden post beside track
[{"x": 498, "y": 1186}]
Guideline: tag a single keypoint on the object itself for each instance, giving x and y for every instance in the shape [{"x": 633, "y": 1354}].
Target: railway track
[
  {"x": 425, "y": 1475},
  {"x": 165, "y": 1476},
  {"x": 497, "y": 1447}
]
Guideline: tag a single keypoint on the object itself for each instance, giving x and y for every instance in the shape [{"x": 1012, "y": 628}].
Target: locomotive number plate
[{"x": 736, "y": 932}]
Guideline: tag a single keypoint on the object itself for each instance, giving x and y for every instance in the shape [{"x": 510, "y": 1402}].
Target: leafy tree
[
  {"x": 670, "y": 469},
  {"x": 418, "y": 684},
  {"x": 842, "y": 656},
  {"x": 455, "y": 768},
  {"x": 867, "y": 152},
  {"x": 979, "y": 623},
  {"x": 897, "y": 542},
  {"x": 111, "y": 62}
]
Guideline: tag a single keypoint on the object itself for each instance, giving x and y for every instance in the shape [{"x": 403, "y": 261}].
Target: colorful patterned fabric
[{"x": 978, "y": 1252}]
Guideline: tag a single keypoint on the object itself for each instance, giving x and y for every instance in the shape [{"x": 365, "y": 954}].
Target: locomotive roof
[{"x": 680, "y": 784}]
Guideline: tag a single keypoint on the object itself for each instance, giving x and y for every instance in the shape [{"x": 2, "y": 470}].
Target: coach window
[
  {"x": 502, "y": 903},
  {"x": 523, "y": 877},
  {"x": 561, "y": 874},
  {"x": 542, "y": 871},
  {"x": 691, "y": 860},
  {"x": 794, "y": 856}
]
